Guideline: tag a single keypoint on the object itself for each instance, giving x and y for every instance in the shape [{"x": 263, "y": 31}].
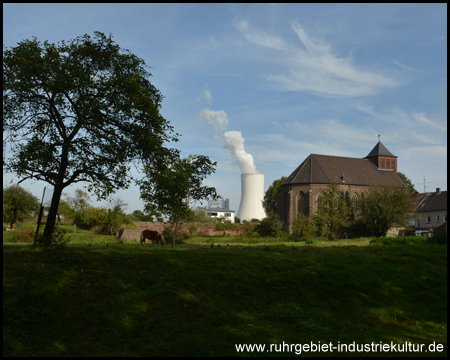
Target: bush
[
  {"x": 59, "y": 239},
  {"x": 249, "y": 229},
  {"x": 192, "y": 228},
  {"x": 401, "y": 240},
  {"x": 270, "y": 226},
  {"x": 440, "y": 238},
  {"x": 222, "y": 226},
  {"x": 19, "y": 236}
]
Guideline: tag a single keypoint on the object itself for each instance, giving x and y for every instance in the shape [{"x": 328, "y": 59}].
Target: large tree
[
  {"x": 81, "y": 110},
  {"x": 383, "y": 207},
  {"x": 171, "y": 191}
]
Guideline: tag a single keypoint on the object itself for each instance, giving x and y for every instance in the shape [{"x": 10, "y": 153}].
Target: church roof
[
  {"x": 321, "y": 169},
  {"x": 380, "y": 150}
]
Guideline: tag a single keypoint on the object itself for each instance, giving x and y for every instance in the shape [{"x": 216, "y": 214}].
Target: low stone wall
[{"x": 202, "y": 230}]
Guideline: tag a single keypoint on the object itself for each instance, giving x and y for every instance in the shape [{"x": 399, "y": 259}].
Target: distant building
[
  {"x": 220, "y": 208},
  {"x": 431, "y": 212},
  {"x": 301, "y": 191}
]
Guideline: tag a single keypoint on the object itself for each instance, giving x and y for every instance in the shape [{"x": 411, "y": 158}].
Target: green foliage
[
  {"x": 166, "y": 191},
  {"x": 439, "y": 238},
  {"x": 270, "y": 226},
  {"x": 140, "y": 216},
  {"x": 59, "y": 239},
  {"x": 401, "y": 240},
  {"x": 382, "y": 207},
  {"x": 21, "y": 236},
  {"x": 249, "y": 229},
  {"x": 199, "y": 215},
  {"x": 222, "y": 226},
  {"x": 91, "y": 217},
  {"x": 80, "y": 110},
  {"x": 407, "y": 182},
  {"x": 303, "y": 226},
  {"x": 192, "y": 228},
  {"x": 18, "y": 204},
  {"x": 270, "y": 202},
  {"x": 333, "y": 211}
]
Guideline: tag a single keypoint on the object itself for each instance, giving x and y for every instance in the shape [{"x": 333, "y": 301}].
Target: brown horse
[{"x": 153, "y": 236}]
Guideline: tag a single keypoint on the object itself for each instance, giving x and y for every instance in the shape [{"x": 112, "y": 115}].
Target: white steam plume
[
  {"x": 217, "y": 119},
  {"x": 234, "y": 141},
  {"x": 231, "y": 140}
]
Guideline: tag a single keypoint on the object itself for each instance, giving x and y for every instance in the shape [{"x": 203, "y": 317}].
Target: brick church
[{"x": 302, "y": 189}]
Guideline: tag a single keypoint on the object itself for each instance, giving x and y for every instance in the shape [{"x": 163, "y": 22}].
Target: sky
[{"x": 259, "y": 87}]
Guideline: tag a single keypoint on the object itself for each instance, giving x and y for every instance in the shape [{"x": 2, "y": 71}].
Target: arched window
[
  {"x": 355, "y": 202},
  {"x": 302, "y": 203},
  {"x": 320, "y": 199}
]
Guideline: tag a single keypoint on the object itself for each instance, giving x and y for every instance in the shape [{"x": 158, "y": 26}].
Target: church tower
[{"x": 382, "y": 157}]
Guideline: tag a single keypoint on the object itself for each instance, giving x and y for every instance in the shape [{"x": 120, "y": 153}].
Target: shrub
[
  {"x": 19, "y": 236},
  {"x": 401, "y": 240},
  {"x": 222, "y": 226},
  {"x": 270, "y": 226},
  {"x": 192, "y": 228},
  {"x": 249, "y": 229},
  {"x": 440, "y": 238},
  {"x": 59, "y": 239}
]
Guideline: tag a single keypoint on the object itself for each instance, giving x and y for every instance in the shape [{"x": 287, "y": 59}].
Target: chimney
[{"x": 438, "y": 191}]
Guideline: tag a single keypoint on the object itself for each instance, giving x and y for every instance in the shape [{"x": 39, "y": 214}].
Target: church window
[
  {"x": 355, "y": 202},
  {"x": 320, "y": 199}
]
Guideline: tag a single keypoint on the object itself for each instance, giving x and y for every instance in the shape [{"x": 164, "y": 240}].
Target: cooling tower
[{"x": 252, "y": 196}]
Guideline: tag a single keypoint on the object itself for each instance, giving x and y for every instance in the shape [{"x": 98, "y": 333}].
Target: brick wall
[{"x": 202, "y": 229}]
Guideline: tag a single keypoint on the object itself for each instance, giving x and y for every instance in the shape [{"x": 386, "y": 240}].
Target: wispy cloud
[
  {"x": 400, "y": 117},
  {"x": 409, "y": 68},
  {"x": 206, "y": 97},
  {"x": 421, "y": 118},
  {"x": 311, "y": 66}
]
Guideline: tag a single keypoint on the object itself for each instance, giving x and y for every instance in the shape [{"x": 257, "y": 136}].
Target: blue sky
[{"x": 293, "y": 79}]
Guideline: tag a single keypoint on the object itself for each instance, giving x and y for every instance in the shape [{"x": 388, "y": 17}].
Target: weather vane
[{"x": 379, "y": 136}]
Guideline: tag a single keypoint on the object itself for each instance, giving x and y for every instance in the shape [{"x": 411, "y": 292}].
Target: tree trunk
[{"x": 51, "y": 218}]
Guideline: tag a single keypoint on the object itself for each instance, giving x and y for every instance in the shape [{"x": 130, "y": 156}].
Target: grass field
[{"x": 90, "y": 299}]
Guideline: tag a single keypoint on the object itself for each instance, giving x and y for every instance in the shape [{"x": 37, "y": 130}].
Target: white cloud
[
  {"x": 313, "y": 67},
  {"x": 207, "y": 96},
  {"x": 422, "y": 119},
  {"x": 260, "y": 37}
]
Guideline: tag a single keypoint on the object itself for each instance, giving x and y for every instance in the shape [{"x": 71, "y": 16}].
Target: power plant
[{"x": 252, "y": 196}]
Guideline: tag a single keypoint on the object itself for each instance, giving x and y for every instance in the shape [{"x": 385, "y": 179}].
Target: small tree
[
  {"x": 165, "y": 192},
  {"x": 383, "y": 207},
  {"x": 18, "y": 204},
  {"x": 116, "y": 217},
  {"x": 303, "y": 226},
  {"x": 333, "y": 210},
  {"x": 270, "y": 202},
  {"x": 270, "y": 226}
]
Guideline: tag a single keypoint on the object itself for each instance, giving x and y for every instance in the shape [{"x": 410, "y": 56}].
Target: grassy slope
[{"x": 194, "y": 300}]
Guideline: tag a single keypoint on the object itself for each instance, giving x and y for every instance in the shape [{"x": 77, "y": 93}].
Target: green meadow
[{"x": 101, "y": 297}]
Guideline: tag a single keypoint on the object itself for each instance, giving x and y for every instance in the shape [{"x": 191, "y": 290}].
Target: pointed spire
[{"x": 380, "y": 150}]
